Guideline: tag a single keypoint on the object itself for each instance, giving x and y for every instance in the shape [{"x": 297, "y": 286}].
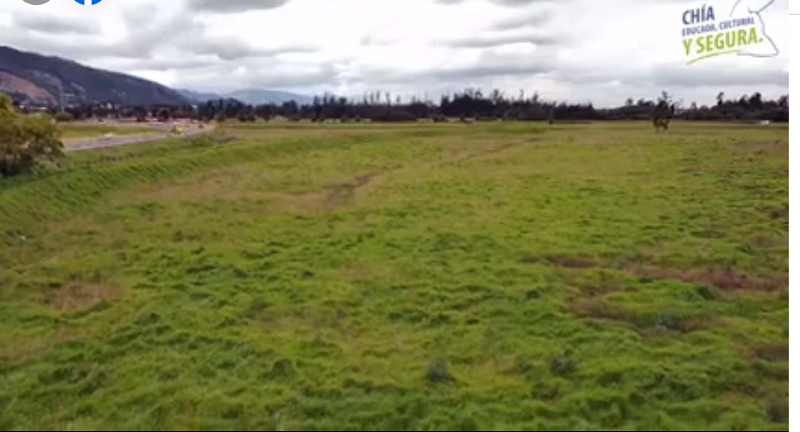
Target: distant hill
[
  {"x": 251, "y": 96},
  {"x": 39, "y": 79},
  {"x": 199, "y": 96},
  {"x": 256, "y": 97}
]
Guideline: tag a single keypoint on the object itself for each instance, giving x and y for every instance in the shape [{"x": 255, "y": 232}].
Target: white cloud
[{"x": 575, "y": 49}]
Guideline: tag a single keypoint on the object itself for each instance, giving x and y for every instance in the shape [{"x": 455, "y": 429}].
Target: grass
[
  {"x": 485, "y": 276},
  {"x": 73, "y": 131}
]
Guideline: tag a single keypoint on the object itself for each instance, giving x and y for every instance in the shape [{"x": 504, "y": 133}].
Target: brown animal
[
  {"x": 661, "y": 124},
  {"x": 663, "y": 114}
]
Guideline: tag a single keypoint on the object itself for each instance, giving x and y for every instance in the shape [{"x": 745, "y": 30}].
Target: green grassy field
[
  {"x": 487, "y": 276},
  {"x": 73, "y": 131}
]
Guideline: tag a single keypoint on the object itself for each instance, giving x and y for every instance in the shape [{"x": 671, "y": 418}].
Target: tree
[
  {"x": 744, "y": 102},
  {"x": 25, "y": 140},
  {"x": 664, "y": 111},
  {"x": 665, "y": 97},
  {"x": 164, "y": 115},
  {"x": 721, "y": 99},
  {"x": 756, "y": 101}
]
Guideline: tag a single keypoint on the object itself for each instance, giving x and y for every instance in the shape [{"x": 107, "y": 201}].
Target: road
[{"x": 111, "y": 140}]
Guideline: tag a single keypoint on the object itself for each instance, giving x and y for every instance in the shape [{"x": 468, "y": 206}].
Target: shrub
[
  {"x": 778, "y": 410},
  {"x": 282, "y": 369},
  {"x": 64, "y": 117},
  {"x": 563, "y": 365},
  {"x": 247, "y": 118},
  {"x": 437, "y": 372},
  {"x": 25, "y": 140}
]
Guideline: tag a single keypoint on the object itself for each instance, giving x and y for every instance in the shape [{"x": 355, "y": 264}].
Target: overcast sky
[{"x": 576, "y": 50}]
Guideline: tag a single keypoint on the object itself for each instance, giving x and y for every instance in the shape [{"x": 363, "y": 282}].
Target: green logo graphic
[{"x": 707, "y": 32}]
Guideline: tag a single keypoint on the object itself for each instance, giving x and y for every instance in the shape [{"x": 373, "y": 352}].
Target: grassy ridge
[
  {"x": 88, "y": 176},
  {"x": 73, "y": 131},
  {"x": 431, "y": 277}
]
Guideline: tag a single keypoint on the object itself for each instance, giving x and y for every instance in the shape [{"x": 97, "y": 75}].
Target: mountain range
[
  {"x": 45, "y": 80},
  {"x": 249, "y": 96}
]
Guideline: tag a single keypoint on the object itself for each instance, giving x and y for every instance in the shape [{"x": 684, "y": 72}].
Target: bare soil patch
[
  {"x": 728, "y": 279},
  {"x": 81, "y": 297}
]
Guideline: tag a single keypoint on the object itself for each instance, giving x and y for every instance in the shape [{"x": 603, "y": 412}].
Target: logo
[
  {"x": 712, "y": 31},
  {"x": 82, "y": 2}
]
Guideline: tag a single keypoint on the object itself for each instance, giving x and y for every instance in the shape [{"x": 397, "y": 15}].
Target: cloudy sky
[{"x": 576, "y": 50}]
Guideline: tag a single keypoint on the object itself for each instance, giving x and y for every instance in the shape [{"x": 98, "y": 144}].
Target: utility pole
[{"x": 60, "y": 97}]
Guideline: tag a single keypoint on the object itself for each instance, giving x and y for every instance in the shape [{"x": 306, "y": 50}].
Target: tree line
[{"x": 467, "y": 105}]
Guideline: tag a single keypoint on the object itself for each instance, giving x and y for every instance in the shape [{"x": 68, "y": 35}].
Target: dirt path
[{"x": 112, "y": 140}]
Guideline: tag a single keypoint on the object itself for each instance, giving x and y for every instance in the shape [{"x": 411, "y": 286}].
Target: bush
[
  {"x": 438, "y": 373},
  {"x": 778, "y": 410},
  {"x": 64, "y": 117},
  {"x": 563, "y": 365},
  {"x": 394, "y": 117},
  {"x": 25, "y": 140}
]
